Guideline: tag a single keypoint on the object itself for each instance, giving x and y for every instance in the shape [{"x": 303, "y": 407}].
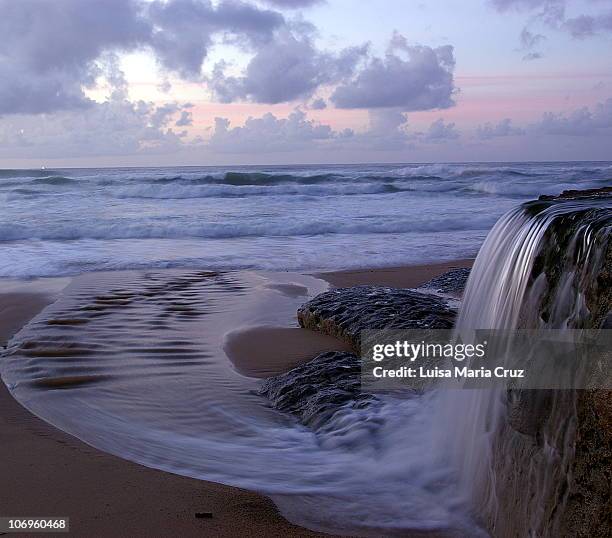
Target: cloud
[
  {"x": 389, "y": 131},
  {"x": 290, "y": 67},
  {"x": 550, "y": 12},
  {"x": 51, "y": 52},
  {"x": 529, "y": 40},
  {"x": 585, "y": 26},
  {"x": 287, "y": 68},
  {"x": 581, "y": 122},
  {"x": 441, "y": 132},
  {"x": 115, "y": 127},
  {"x": 387, "y": 120},
  {"x": 502, "y": 129},
  {"x": 553, "y": 14},
  {"x": 409, "y": 77},
  {"x": 506, "y": 5},
  {"x": 268, "y": 134},
  {"x": 185, "y": 119},
  {"x": 530, "y": 56},
  {"x": 48, "y": 50},
  {"x": 271, "y": 134},
  {"x": 183, "y": 30},
  {"x": 318, "y": 104},
  {"x": 292, "y": 4}
]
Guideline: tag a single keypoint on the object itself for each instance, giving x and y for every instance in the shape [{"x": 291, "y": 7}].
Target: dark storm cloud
[{"x": 409, "y": 77}]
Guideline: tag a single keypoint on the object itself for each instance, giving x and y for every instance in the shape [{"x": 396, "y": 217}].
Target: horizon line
[{"x": 270, "y": 165}]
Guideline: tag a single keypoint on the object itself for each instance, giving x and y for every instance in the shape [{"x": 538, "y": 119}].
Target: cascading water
[{"x": 538, "y": 268}]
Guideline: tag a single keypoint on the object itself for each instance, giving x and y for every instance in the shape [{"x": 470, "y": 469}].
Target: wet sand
[
  {"x": 394, "y": 277},
  {"x": 47, "y": 472},
  {"x": 267, "y": 351}
]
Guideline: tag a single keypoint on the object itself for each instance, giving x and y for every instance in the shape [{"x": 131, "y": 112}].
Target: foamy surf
[{"x": 68, "y": 221}]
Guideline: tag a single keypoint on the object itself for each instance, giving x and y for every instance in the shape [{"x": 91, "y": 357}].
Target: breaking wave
[{"x": 213, "y": 230}]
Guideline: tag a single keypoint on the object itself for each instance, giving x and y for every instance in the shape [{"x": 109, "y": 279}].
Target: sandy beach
[
  {"x": 47, "y": 472},
  {"x": 395, "y": 277}
]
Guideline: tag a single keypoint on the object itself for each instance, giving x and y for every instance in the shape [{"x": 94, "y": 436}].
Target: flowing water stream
[{"x": 534, "y": 271}]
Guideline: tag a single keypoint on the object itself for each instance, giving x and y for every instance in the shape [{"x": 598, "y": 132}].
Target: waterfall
[{"x": 538, "y": 268}]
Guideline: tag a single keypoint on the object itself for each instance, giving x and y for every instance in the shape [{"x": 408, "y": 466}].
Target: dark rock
[
  {"x": 345, "y": 312},
  {"x": 553, "y": 453},
  {"x": 450, "y": 283},
  {"x": 315, "y": 391},
  {"x": 603, "y": 192}
]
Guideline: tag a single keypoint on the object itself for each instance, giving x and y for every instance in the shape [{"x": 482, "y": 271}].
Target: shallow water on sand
[{"x": 133, "y": 363}]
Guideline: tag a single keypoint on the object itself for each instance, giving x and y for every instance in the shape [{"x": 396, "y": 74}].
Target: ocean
[{"x": 69, "y": 221}]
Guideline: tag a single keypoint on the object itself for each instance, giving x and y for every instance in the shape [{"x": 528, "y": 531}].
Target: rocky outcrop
[
  {"x": 553, "y": 453},
  {"x": 604, "y": 192},
  {"x": 450, "y": 283},
  {"x": 345, "y": 312},
  {"x": 314, "y": 391}
]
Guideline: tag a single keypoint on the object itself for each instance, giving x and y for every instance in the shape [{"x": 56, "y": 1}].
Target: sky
[{"x": 203, "y": 82}]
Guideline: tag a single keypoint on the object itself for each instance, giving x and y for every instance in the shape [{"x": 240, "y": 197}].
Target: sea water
[{"x": 68, "y": 221}]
